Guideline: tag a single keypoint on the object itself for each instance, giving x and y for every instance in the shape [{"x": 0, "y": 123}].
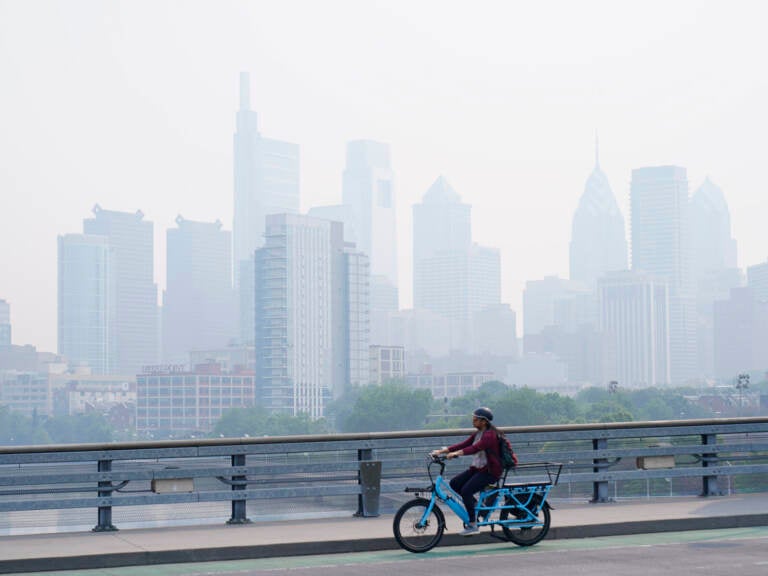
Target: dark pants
[{"x": 467, "y": 484}]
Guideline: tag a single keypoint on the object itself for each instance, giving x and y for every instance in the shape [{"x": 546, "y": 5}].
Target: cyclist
[{"x": 486, "y": 463}]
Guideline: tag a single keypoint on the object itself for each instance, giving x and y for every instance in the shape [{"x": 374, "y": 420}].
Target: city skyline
[{"x": 123, "y": 133}]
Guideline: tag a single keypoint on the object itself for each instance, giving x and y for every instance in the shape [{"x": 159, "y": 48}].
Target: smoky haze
[{"x": 131, "y": 105}]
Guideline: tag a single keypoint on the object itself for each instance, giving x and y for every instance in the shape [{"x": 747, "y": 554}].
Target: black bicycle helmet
[{"x": 484, "y": 413}]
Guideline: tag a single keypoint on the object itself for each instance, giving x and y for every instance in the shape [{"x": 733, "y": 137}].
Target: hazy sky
[{"x": 132, "y": 105}]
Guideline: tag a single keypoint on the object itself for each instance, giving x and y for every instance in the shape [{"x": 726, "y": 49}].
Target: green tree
[
  {"x": 238, "y": 422},
  {"x": 255, "y": 422},
  {"x": 79, "y": 428},
  {"x": 340, "y": 409},
  {"x": 448, "y": 422},
  {"x": 386, "y": 407},
  {"x": 487, "y": 394},
  {"x": 18, "y": 430},
  {"x": 281, "y": 425},
  {"x": 608, "y": 411},
  {"x": 526, "y": 407},
  {"x": 592, "y": 395}
]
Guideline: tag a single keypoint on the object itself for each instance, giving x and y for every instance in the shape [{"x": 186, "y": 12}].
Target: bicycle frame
[
  {"x": 520, "y": 510},
  {"x": 448, "y": 496},
  {"x": 523, "y": 501}
]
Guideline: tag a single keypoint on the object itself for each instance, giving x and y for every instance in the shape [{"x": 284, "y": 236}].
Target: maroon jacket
[{"x": 488, "y": 442}]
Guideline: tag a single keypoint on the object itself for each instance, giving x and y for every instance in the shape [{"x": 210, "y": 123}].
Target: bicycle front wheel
[
  {"x": 527, "y": 536},
  {"x": 411, "y": 532}
]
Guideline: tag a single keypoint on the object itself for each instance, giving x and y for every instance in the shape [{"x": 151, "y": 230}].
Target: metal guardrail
[{"x": 238, "y": 470}]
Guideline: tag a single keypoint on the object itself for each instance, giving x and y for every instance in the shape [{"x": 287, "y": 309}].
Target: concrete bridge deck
[{"x": 81, "y": 550}]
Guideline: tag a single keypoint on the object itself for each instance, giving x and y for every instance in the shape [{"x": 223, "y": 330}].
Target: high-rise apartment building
[
  {"x": 311, "y": 335},
  {"x": 356, "y": 307},
  {"x": 661, "y": 246},
  {"x": 86, "y": 302},
  {"x": 199, "y": 307},
  {"x": 266, "y": 182},
  {"x": 5, "y": 323},
  {"x": 598, "y": 238},
  {"x": 635, "y": 319},
  {"x": 134, "y": 314}
]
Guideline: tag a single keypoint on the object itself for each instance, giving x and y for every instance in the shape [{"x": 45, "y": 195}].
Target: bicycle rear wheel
[
  {"x": 414, "y": 535},
  {"x": 527, "y": 536}
]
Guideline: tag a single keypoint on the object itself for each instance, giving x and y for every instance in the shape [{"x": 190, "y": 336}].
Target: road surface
[{"x": 733, "y": 552}]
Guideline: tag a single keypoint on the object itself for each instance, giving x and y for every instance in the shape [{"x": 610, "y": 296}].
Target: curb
[{"x": 194, "y": 555}]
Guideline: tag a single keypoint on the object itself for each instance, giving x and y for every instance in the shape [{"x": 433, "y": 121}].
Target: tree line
[{"x": 391, "y": 406}]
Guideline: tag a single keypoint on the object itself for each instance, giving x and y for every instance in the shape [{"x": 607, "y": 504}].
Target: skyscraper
[
  {"x": 740, "y": 334},
  {"x": 661, "y": 226},
  {"x": 661, "y": 246},
  {"x": 370, "y": 193},
  {"x": 561, "y": 321},
  {"x": 634, "y": 316},
  {"x": 369, "y": 205},
  {"x": 356, "y": 311},
  {"x": 541, "y": 298},
  {"x": 494, "y": 331},
  {"x": 715, "y": 270},
  {"x": 310, "y": 332},
  {"x": 458, "y": 284},
  {"x": 598, "y": 238},
  {"x": 714, "y": 249},
  {"x": 134, "y": 315},
  {"x": 451, "y": 276},
  {"x": 5, "y": 323},
  {"x": 440, "y": 223},
  {"x": 199, "y": 308},
  {"x": 266, "y": 175},
  {"x": 86, "y": 321}
]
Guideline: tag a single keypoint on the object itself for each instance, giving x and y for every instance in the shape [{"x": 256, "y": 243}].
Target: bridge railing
[{"x": 234, "y": 471}]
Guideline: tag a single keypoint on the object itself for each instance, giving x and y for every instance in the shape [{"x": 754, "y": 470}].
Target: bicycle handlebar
[{"x": 439, "y": 459}]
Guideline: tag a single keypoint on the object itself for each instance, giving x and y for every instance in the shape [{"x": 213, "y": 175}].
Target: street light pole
[{"x": 742, "y": 384}]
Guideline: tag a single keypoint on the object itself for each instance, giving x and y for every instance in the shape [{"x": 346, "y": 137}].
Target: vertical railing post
[
  {"x": 105, "y": 491},
  {"x": 369, "y": 479},
  {"x": 599, "y": 487},
  {"x": 709, "y": 483},
  {"x": 238, "y": 483}
]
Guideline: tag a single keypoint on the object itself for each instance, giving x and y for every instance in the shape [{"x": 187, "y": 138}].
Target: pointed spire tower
[
  {"x": 598, "y": 238},
  {"x": 266, "y": 174}
]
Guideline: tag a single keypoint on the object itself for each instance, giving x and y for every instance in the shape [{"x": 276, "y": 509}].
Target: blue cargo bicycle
[{"x": 519, "y": 510}]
